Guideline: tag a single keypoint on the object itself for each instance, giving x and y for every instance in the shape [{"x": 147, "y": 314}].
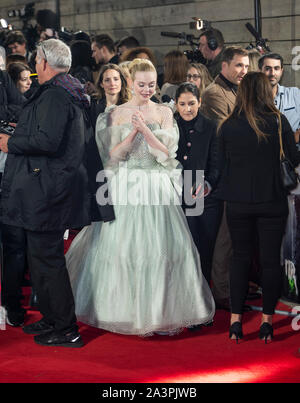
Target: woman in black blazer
[
  {"x": 198, "y": 150},
  {"x": 256, "y": 199}
]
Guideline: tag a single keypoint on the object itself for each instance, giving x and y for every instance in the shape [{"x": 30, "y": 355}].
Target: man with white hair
[{"x": 45, "y": 188}]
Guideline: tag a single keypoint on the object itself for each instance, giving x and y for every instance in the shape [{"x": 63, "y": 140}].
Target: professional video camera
[
  {"x": 24, "y": 13},
  {"x": 193, "y": 55},
  {"x": 29, "y": 31}
]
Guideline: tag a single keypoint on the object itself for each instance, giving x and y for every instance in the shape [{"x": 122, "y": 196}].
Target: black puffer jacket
[{"x": 45, "y": 186}]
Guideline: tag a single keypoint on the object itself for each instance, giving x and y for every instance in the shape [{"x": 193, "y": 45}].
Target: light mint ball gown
[{"x": 141, "y": 273}]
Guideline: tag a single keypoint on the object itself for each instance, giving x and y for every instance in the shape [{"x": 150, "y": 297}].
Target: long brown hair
[
  {"x": 176, "y": 66},
  {"x": 255, "y": 100},
  {"x": 124, "y": 93}
]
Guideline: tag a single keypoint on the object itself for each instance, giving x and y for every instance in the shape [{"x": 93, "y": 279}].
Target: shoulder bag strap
[{"x": 278, "y": 118}]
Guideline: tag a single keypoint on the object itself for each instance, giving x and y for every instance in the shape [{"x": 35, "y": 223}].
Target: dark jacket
[
  {"x": 97, "y": 106},
  {"x": 11, "y": 100},
  {"x": 45, "y": 185},
  {"x": 215, "y": 66},
  {"x": 250, "y": 168},
  {"x": 82, "y": 73},
  {"x": 198, "y": 147}
]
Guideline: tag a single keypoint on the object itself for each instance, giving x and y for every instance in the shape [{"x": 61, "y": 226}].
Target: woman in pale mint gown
[{"x": 141, "y": 273}]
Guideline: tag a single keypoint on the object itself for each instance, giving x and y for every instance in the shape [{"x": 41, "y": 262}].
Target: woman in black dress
[{"x": 256, "y": 199}]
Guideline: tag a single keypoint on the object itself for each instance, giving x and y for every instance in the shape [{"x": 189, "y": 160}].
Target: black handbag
[{"x": 289, "y": 176}]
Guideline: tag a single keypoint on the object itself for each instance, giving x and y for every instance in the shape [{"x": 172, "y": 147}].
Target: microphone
[
  {"x": 260, "y": 41},
  {"x": 172, "y": 34},
  {"x": 253, "y": 31}
]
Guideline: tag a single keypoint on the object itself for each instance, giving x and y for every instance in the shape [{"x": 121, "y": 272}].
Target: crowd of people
[{"x": 91, "y": 115}]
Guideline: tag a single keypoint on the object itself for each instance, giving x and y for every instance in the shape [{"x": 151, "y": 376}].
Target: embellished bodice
[{"x": 139, "y": 155}]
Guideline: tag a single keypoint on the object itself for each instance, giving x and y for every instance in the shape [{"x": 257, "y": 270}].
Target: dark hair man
[
  {"x": 219, "y": 97},
  {"x": 16, "y": 42},
  {"x": 287, "y": 99},
  {"x": 129, "y": 42},
  {"x": 103, "y": 50},
  {"x": 211, "y": 45},
  {"x": 45, "y": 188}
]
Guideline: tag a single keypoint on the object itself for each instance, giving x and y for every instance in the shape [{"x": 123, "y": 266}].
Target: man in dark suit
[{"x": 218, "y": 101}]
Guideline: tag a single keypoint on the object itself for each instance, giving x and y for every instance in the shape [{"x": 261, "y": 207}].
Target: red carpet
[
  {"x": 205, "y": 356},
  {"x": 190, "y": 357}
]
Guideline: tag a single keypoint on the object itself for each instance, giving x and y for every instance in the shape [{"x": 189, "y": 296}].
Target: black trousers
[
  {"x": 50, "y": 278},
  {"x": 14, "y": 265},
  {"x": 268, "y": 220},
  {"x": 204, "y": 229}
]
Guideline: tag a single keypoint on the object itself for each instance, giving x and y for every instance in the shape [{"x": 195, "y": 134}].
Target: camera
[
  {"x": 195, "y": 56},
  {"x": 26, "y": 12},
  {"x": 6, "y": 128}
]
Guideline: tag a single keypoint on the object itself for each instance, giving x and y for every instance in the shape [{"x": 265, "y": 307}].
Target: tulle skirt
[{"x": 140, "y": 273}]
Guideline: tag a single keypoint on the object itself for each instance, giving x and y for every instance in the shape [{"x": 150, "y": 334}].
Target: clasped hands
[
  {"x": 3, "y": 142},
  {"x": 138, "y": 122}
]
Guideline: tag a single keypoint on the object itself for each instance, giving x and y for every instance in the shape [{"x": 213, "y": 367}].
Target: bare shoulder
[{"x": 118, "y": 113}]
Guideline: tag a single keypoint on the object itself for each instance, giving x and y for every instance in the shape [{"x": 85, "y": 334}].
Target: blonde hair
[
  {"x": 254, "y": 57},
  {"x": 124, "y": 66},
  {"x": 140, "y": 65}
]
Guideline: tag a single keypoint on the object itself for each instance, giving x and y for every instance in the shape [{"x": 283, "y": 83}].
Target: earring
[{"x": 132, "y": 91}]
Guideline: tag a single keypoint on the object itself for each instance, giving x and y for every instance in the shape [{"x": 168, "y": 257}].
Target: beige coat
[{"x": 218, "y": 100}]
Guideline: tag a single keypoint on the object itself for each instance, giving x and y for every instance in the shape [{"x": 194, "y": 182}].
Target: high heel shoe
[
  {"x": 266, "y": 332},
  {"x": 236, "y": 330}
]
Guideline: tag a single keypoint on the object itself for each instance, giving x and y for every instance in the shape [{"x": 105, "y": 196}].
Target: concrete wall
[{"x": 145, "y": 19}]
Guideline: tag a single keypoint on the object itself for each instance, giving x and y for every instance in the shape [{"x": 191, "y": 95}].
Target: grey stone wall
[{"x": 146, "y": 19}]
